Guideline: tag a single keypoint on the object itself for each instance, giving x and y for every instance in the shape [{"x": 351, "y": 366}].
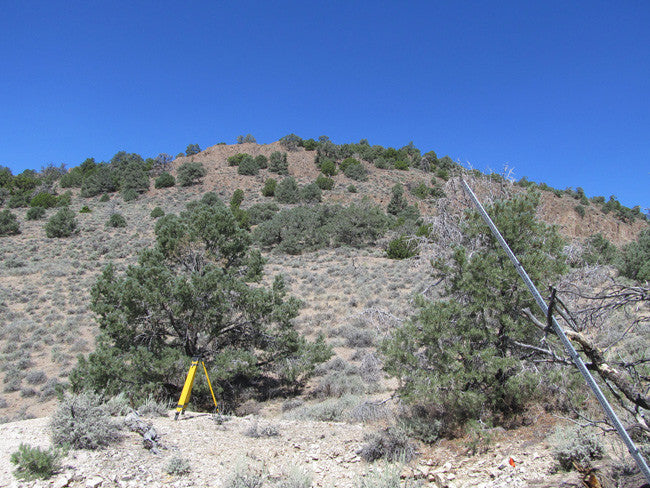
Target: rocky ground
[{"x": 326, "y": 451}]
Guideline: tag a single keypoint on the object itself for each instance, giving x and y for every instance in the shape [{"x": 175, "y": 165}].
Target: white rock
[{"x": 94, "y": 482}]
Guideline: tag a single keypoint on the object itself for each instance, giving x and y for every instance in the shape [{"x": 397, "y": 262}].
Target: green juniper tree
[
  {"x": 191, "y": 295},
  {"x": 465, "y": 356}
]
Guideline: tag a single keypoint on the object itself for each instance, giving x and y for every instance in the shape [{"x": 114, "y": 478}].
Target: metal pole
[{"x": 634, "y": 451}]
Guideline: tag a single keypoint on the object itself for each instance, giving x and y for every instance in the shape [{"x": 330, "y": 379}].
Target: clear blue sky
[{"x": 560, "y": 91}]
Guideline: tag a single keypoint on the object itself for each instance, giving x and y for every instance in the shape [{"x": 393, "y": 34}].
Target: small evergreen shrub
[
  {"x": 352, "y": 189},
  {"x": 291, "y": 142},
  {"x": 248, "y": 166},
  {"x": 635, "y": 258},
  {"x": 311, "y": 193},
  {"x": 401, "y": 165},
  {"x": 580, "y": 210},
  {"x": 61, "y": 224},
  {"x": 43, "y": 199},
  {"x": 575, "y": 444},
  {"x": 35, "y": 213},
  {"x": 165, "y": 180},
  {"x": 82, "y": 422},
  {"x": 261, "y": 212},
  {"x": 347, "y": 162},
  {"x": 64, "y": 200},
  {"x": 324, "y": 183},
  {"x": 421, "y": 191},
  {"x": 190, "y": 173},
  {"x": 104, "y": 198},
  {"x": 157, "y": 212},
  {"x": 598, "y": 250},
  {"x": 236, "y": 159},
  {"x": 35, "y": 463},
  {"x": 269, "y": 187},
  {"x": 401, "y": 248},
  {"x": 237, "y": 198},
  {"x": 262, "y": 161},
  {"x": 116, "y": 220},
  {"x": 287, "y": 191},
  {"x": 356, "y": 172},
  {"x": 278, "y": 163},
  {"x": 328, "y": 167},
  {"x": 85, "y": 209},
  {"x": 191, "y": 150},
  {"x": 309, "y": 144},
  {"x": 129, "y": 195}
]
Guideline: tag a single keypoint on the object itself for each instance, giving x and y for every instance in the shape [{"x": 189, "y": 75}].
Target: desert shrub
[
  {"x": 35, "y": 213},
  {"x": 269, "y": 187},
  {"x": 178, "y": 466},
  {"x": 324, "y": 183},
  {"x": 308, "y": 228},
  {"x": 248, "y": 166},
  {"x": 81, "y": 421},
  {"x": 575, "y": 444},
  {"x": 245, "y": 476},
  {"x": 401, "y": 248},
  {"x": 580, "y": 210},
  {"x": 36, "y": 377},
  {"x": 421, "y": 191},
  {"x": 352, "y": 189},
  {"x": 401, "y": 165},
  {"x": 18, "y": 200},
  {"x": 261, "y": 212},
  {"x": 35, "y": 463},
  {"x": 635, "y": 258},
  {"x": 291, "y": 142},
  {"x": 389, "y": 477},
  {"x": 278, "y": 163},
  {"x": 267, "y": 430},
  {"x": 85, "y": 209},
  {"x": 391, "y": 444},
  {"x": 129, "y": 195},
  {"x": 311, "y": 193},
  {"x": 295, "y": 478},
  {"x": 165, "y": 180},
  {"x": 61, "y": 224},
  {"x": 43, "y": 199},
  {"x": 190, "y": 173},
  {"x": 397, "y": 203},
  {"x": 328, "y": 167},
  {"x": 153, "y": 407},
  {"x": 356, "y": 172},
  {"x": 157, "y": 212},
  {"x": 101, "y": 180},
  {"x": 287, "y": 191},
  {"x": 116, "y": 220},
  {"x": 357, "y": 336},
  {"x": 338, "y": 384},
  {"x": 236, "y": 159},
  {"x": 104, "y": 198},
  {"x": 248, "y": 138},
  {"x": 191, "y": 150},
  {"x": 309, "y": 144},
  {"x": 64, "y": 199},
  {"x": 236, "y": 199},
  {"x": 598, "y": 250},
  {"x": 261, "y": 161},
  {"x": 329, "y": 410}
]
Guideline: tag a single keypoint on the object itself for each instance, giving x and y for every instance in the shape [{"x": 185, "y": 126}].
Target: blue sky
[{"x": 559, "y": 91}]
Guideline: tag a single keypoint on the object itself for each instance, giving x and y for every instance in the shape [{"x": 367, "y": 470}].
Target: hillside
[{"x": 354, "y": 296}]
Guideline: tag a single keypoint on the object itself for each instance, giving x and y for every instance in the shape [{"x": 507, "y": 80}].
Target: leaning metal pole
[{"x": 634, "y": 451}]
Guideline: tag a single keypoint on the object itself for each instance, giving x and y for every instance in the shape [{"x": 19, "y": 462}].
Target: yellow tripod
[{"x": 187, "y": 387}]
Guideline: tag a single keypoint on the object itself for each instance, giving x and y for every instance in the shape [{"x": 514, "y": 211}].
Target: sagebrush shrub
[
  {"x": 61, "y": 224},
  {"x": 311, "y": 193},
  {"x": 575, "y": 444},
  {"x": 165, "y": 180},
  {"x": 116, "y": 220},
  {"x": 391, "y": 444},
  {"x": 8, "y": 223},
  {"x": 269, "y": 187},
  {"x": 157, "y": 212},
  {"x": 35, "y": 463},
  {"x": 35, "y": 213},
  {"x": 178, "y": 466},
  {"x": 82, "y": 422}
]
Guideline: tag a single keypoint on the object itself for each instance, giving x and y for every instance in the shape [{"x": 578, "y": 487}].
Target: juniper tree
[
  {"x": 465, "y": 355},
  {"x": 189, "y": 295}
]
